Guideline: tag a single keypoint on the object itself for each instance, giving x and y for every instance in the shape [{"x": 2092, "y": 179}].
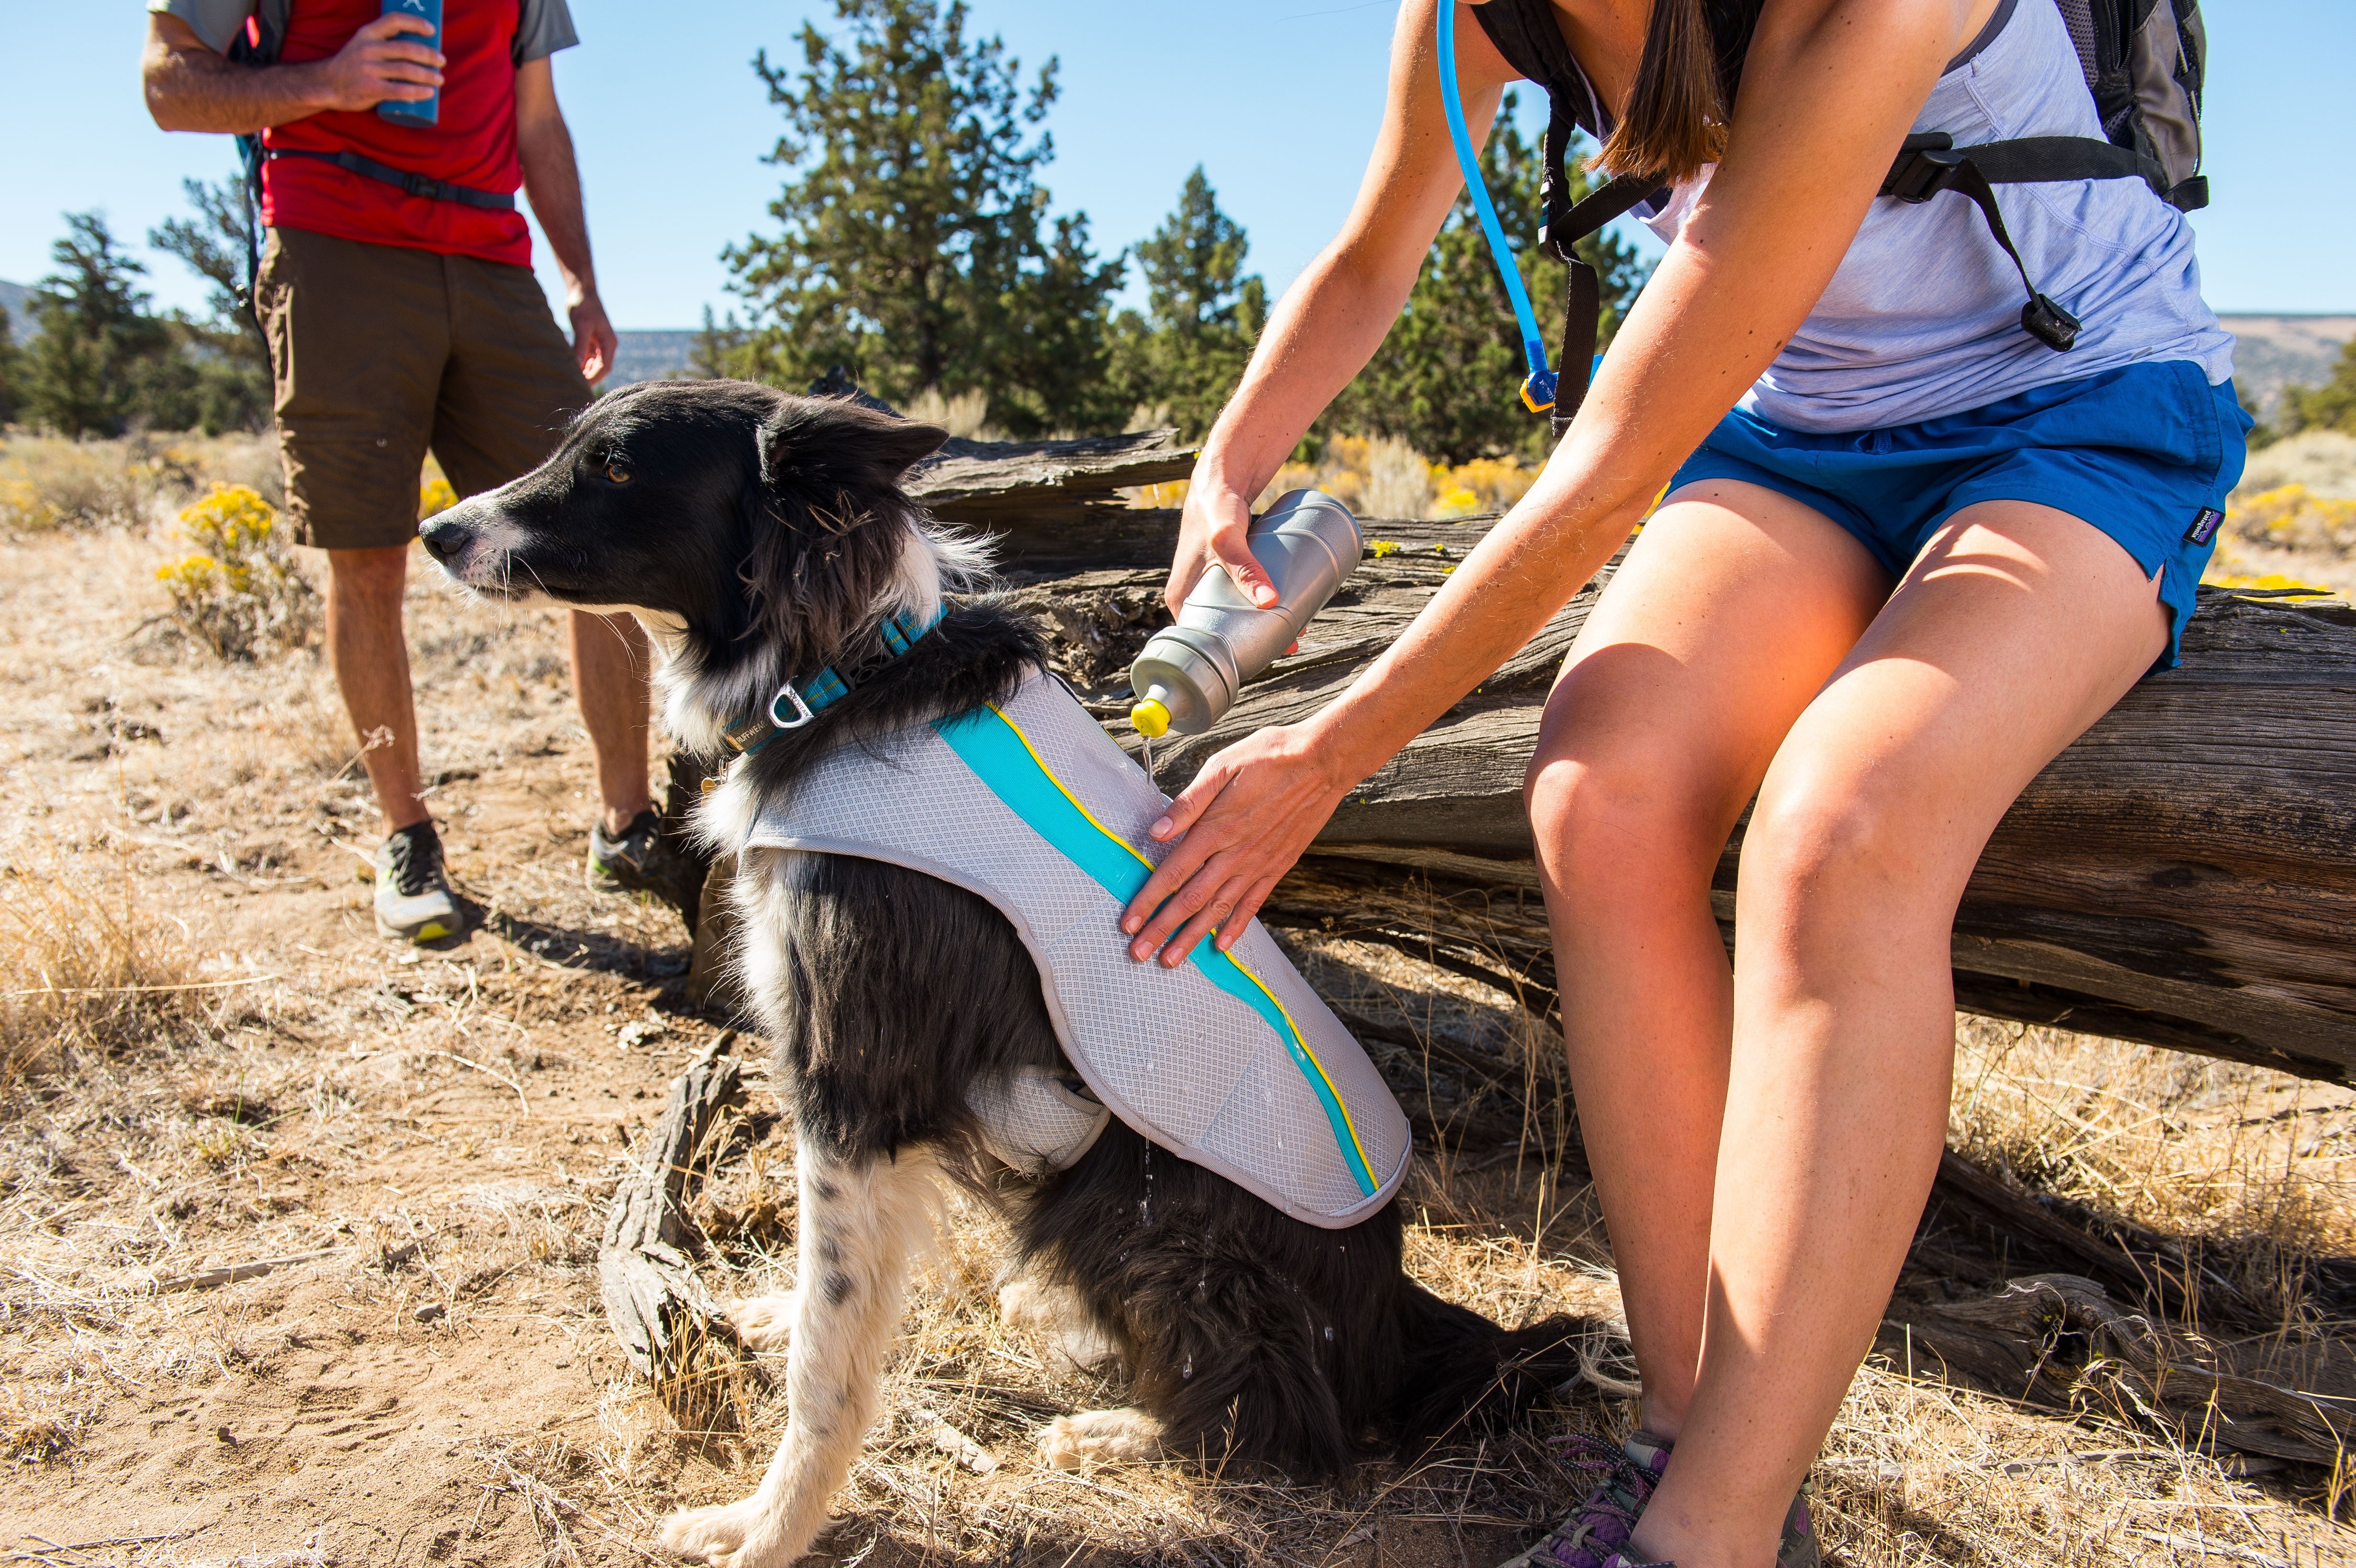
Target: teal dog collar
[{"x": 794, "y": 707}]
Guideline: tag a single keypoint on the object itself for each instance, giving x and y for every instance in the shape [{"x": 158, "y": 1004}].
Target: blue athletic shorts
[{"x": 2146, "y": 453}]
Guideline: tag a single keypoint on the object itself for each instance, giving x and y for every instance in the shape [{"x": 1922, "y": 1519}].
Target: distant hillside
[
  {"x": 12, "y": 300},
  {"x": 651, "y": 356},
  {"x": 2271, "y": 350}
]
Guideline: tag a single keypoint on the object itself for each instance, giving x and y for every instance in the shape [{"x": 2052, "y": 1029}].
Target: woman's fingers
[
  {"x": 1216, "y": 913},
  {"x": 1210, "y": 534},
  {"x": 1229, "y": 546},
  {"x": 1246, "y": 911}
]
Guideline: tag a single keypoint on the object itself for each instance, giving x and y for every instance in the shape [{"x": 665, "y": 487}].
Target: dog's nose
[{"x": 445, "y": 536}]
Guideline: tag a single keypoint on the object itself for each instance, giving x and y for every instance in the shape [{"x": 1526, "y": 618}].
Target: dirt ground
[{"x": 421, "y": 1143}]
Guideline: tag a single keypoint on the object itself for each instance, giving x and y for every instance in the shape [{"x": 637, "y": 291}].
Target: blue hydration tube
[{"x": 1537, "y": 390}]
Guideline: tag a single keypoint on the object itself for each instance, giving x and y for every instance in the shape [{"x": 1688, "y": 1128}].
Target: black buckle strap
[
  {"x": 414, "y": 184},
  {"x": 1564, "y": 224},
  {"x": 1930, "y": 162}
]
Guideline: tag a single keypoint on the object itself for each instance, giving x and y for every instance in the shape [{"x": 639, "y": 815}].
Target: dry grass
[
  {"x": 86, "y": 964},
  {"x": 2323, "y": 461}
]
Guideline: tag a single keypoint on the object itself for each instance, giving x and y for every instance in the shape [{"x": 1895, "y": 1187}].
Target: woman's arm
[
  {"x": 1828, "y": 92},
  {"x": 191, "y": 88},
  {"x": 1329, "y": 323}
]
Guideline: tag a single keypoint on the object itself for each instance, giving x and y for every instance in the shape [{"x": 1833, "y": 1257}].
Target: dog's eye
[{"x": 618, "y": 472}]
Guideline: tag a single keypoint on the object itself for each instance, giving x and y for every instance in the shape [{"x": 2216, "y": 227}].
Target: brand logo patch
[{"x": 2204, "y": 527}]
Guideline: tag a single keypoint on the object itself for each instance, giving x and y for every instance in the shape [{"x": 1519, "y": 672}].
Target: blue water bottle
[{"x": 424, "y": 110}]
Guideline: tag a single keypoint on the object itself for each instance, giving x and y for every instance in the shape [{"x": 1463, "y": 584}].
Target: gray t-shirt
[{"x": 542, "y": 27}]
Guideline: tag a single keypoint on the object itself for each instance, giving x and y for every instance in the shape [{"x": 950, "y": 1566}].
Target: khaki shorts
[{"x": 378, "y": 353}]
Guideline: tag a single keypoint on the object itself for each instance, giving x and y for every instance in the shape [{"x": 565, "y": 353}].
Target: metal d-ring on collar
[{"x": 792, "y": 707}]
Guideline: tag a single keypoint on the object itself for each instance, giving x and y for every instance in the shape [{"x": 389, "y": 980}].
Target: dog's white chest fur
[{"x": 1230, "y": 1060}]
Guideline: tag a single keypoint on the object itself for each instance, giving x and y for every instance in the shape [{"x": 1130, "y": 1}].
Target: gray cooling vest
[{"x": 1230, "y": 1059}]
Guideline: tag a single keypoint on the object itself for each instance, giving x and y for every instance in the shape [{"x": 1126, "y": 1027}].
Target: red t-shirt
[{"x": 474, "y": 144}]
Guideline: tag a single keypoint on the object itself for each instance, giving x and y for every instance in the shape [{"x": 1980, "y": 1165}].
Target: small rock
[
  {"x": 224, "y": 1434},
  {"x": 430, "y": 1312}
]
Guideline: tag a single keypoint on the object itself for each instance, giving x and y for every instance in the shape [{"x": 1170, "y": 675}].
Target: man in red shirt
[{"x": 402, "y": 315}]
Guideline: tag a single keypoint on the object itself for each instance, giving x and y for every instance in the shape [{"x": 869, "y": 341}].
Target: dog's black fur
[{"x": 762, "y": 534}]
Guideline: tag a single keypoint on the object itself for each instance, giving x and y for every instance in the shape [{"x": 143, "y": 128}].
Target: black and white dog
[{"x": 760, "y": 536}]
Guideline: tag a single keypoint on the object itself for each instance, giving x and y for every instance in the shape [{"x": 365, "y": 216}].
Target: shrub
[
  {"x": 237, "y": 592},
  {"x": 2291, "y": 517}
]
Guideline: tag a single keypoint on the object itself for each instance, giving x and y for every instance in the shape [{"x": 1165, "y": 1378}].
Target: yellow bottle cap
[{"x": 1150, "y": 718}]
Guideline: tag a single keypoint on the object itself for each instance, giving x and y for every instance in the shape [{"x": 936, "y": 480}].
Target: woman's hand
[
  {"x": 1211, "y": 535},
  {"x": 1247, "y": 818}
]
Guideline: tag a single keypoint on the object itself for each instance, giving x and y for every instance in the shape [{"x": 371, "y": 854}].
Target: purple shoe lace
[{"x": 1592, "y": 1536}]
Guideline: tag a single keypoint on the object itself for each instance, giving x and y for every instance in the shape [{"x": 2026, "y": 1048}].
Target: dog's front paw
[
  {"x": 1101, "y": 1437},
  {"x": 763, "y": 1322},
  {"x": 731, "y": 1535}
]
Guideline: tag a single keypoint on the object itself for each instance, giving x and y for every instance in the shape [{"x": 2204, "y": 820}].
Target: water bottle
[
  {"x": 1188, "y": 675},
  {"x": 424, "y": 112}
]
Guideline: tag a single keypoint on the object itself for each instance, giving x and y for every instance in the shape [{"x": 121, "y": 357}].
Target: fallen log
[
  {"x": 646, "y": 1269},
  {"x": 2184, "y": 875},
  {"x": 2060, "y": 1341}
]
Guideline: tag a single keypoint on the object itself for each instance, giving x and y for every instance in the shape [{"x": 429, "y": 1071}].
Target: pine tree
[
  {"x": 1180, "y": 360},
  {"x": 100, "y": 358},
  {"x": 230, "y": 359},
  {"x": 916, "y": 247},
  {"x": 1446, "y": 378}
]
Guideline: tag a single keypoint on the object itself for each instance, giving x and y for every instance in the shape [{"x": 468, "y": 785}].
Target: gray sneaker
[
  {"x": 644, "y": 860},
  {"x": 1596, "y": 1536},
  {"x": 413, "y": 902}
]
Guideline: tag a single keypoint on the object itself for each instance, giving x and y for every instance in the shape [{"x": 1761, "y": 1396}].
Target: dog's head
[{"x": 759, "y": 535}]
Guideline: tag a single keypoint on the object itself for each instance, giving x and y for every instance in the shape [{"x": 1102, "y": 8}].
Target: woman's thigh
[
  {"x": 2015, "y": 629},
  {"x": 1731, "y": 609}
]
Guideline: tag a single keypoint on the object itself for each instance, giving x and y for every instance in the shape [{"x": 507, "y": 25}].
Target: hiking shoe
[
  {"x": 1624, "y": 1477},
  {"x": 644, "y": 860},
  {"x": 1592, "y": 1536},
  {"x": 413, "y": 902}
]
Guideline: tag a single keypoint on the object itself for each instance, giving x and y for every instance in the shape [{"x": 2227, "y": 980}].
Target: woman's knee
[
  {"x": 1612, "y": 820},
  {"x": 1824, "y": 837}
]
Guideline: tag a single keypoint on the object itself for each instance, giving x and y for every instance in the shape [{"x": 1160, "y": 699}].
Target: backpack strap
[{"x": 414, "y": 184}]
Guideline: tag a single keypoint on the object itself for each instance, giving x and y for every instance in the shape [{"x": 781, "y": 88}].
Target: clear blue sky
[{"x": 1278, "y": 98}]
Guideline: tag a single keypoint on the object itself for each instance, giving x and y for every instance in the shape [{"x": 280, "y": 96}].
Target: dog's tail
[{"x": 1467, "y": 1375}]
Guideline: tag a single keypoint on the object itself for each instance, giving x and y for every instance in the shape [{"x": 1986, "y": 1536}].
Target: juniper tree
[
  {"x": 1445, "y": 378},
  {"x": 1201, "y": 318},
  {"x": 915, "y": 245}
]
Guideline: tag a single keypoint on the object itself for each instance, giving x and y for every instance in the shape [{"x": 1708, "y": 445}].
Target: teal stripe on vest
[{"x": 987, "y": 741}]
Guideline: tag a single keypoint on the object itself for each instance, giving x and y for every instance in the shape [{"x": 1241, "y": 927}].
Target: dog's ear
[{"x": 830, "y": 446}]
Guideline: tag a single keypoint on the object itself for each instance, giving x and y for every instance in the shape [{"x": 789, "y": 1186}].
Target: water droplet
[
  {"x": 1188, "y": 1370},
  {"x": 1329, "y": 1333}
]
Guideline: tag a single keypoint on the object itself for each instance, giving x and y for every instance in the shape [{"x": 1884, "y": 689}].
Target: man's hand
[
  {"x": 594, "y": 342},
  {"x": 380, "y": 66}
]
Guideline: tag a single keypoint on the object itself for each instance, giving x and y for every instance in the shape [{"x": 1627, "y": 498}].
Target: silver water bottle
[{"x": 1188, "y": 675}]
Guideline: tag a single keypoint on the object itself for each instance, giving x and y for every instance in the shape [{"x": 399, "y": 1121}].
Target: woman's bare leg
[
  {"x": 2018, "y": 628},
  {"x": 1731, "y": 610}
]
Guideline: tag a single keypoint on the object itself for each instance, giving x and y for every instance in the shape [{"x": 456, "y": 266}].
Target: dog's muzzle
[{"x": 460, "y": 540}]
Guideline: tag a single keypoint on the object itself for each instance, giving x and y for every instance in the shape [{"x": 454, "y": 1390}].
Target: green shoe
[{"x": 413, "y": 902}]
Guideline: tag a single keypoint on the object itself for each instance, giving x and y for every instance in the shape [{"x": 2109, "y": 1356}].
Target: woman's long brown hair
[{"x": 1685, "y": 89}]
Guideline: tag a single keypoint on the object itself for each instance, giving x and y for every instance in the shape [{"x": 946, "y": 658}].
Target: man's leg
[
  {"x": 610, "y": 669},
  {"x": 2017, "y": 628},
  {"x": 370, "y": 656}
]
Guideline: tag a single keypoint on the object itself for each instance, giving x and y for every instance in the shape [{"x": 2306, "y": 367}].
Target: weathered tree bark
[
  {"x": 2059, "y": 1340},
  {"x": 646, "y": 1274},
  {"x": 2184, "y": 875}
]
